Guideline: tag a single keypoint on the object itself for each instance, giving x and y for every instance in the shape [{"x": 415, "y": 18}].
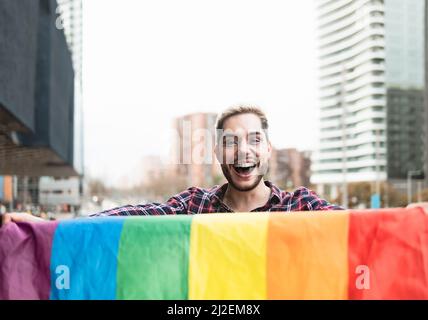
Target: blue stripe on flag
[{"x": 84, "y": 259}]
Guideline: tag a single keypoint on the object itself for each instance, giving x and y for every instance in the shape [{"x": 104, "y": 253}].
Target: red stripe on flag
[{"x": 388, "y": 254}]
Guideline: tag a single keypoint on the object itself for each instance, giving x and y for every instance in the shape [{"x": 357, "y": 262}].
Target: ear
[{"x": 269, "y": 149}]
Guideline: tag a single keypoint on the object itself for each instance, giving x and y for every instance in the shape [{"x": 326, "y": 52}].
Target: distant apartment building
[
  {"x": 25, "y": 193},
  {"x": 193, "y": 151},
  {"x": 372, "y": 87},
  {"x": 19, "y": 192},
  {"x": 59, "y": 192},
  {"x": 290, "y": 168}
]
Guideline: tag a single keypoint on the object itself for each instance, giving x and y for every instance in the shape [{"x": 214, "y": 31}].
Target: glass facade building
[
  {"x": 71, "y": 12},
  {"x": 371, "y": 84}
]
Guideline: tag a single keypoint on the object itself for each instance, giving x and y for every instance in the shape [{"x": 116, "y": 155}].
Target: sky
[{"x": 146, "y": 62}]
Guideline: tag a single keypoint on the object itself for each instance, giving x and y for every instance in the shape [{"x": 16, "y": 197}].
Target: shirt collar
[
  {"x": 217, "y": 193},
  {"x": 275, "y": 196}
]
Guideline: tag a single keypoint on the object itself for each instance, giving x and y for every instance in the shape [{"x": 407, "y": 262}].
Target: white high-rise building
[{"x": 371, "y": 68}]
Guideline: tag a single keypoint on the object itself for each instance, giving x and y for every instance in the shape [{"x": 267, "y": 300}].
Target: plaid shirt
[{"x": 197, "y": 200}]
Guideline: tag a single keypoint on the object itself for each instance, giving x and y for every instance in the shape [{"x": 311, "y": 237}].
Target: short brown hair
[{"x": 242, "y": 109}]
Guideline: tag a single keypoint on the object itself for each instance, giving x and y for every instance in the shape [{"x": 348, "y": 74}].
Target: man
[{"x": 243, "y": 150}]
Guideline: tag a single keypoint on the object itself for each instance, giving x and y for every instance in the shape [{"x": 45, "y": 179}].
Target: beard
[{"x": 229, "y": 178}]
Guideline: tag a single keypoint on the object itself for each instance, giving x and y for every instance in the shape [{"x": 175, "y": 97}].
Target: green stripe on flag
[{"x": 153, "y": 258}]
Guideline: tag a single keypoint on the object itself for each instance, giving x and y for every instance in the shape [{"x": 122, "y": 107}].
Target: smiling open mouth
[{"x": 244, "y": 168}]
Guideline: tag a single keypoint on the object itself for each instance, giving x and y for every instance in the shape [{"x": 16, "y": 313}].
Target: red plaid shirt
[{"x": 197, "y": 200}]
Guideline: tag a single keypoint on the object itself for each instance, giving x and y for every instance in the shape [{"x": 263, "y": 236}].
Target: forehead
[{"x": 243, "y": 123}]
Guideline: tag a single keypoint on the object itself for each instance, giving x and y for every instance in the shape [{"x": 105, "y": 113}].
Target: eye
[
  {"x": 254, "y": 140},
  {"x": 230, "y": 141}
]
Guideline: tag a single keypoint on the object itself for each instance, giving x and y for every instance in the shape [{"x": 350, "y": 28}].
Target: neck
[{"x": 246, "y": 200}]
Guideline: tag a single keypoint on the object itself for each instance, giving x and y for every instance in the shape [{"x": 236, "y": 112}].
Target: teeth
[{"x": 245, "y": 165}]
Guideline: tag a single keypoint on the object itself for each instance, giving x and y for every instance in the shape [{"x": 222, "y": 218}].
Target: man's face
[{"x": 243, "y": 151}]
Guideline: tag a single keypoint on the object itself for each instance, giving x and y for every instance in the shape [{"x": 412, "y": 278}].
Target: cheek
[
  {"x": 228, "y": 156},
  {"x": 262, "y": 152}
]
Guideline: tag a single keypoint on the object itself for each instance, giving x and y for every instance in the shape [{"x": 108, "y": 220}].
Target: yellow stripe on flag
[
  {"x": 228, "y": 256},
  {"x": 307, "y": 255}
]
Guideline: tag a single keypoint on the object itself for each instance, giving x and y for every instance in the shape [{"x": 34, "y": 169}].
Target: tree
[
  {"x": 423, "y": 196},
  {"x": 97, "y": 188},
  {"x": 360, "y": 194}
]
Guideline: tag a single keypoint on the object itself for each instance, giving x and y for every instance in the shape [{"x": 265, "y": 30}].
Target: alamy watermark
[
  {"x": 62, "y": 280},
  {"x": 362, "y": 281},
  {"x": 203, "y": 146},
  {"x": 59, "y": 22}
]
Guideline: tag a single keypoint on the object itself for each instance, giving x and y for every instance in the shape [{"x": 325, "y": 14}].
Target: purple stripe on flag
[{"x": 25, "y": 253}]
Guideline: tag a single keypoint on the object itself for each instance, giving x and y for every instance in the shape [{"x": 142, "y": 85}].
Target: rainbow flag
[{"x": 370, "y": 254}]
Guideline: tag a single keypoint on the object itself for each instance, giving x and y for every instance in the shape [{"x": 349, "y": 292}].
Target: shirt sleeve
[
  {"x": 175, "y": 205},
  {"x": 304, "y": 199}
]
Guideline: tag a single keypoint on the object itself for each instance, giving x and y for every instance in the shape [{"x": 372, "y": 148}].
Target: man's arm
[
  {"x": 304, "y": 199},
  {"x": 175, "y": 205},
  {"x": 18, "y": 217},
  {"x": 422, "y": 205}
]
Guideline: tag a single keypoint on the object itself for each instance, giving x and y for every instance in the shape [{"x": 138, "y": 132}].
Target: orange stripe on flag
[{"x": 307, "y": 255}]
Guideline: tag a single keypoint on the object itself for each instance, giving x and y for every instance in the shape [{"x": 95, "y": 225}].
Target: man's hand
[
  {"x": 18, "y": 217},
  {"x": 423, "y": 205}
]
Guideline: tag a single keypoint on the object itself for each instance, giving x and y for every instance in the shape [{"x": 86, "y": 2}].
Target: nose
[{"x": 243, "y": 150}]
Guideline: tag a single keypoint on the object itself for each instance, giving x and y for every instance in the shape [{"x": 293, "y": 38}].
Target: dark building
[
  {"x": 405, "y": 118},
  {"x": 426, "y": 98},
  {"x": 36, "y": 91}
]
